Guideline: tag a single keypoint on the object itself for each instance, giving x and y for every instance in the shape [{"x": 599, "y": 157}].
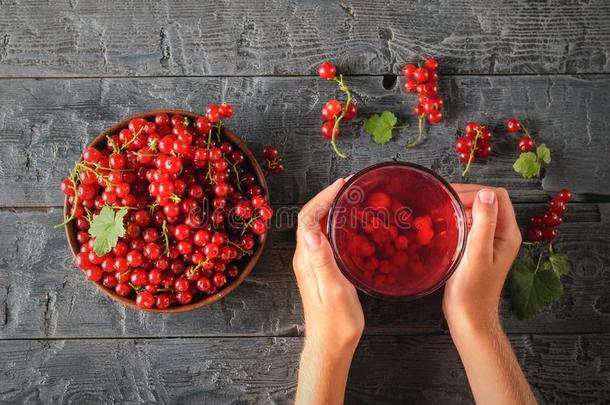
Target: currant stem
[
  {"x": 237, "y": 180},
  {"x": 348, "y": 94},
  {"x": 136, "y": 135},
  {"x": 420, "y": 131},
  {"x": 249, "y": 224},
  {"x": 165, "y": 237},
  {"x": 471, "y": 157},
  {"x": 237, "y": 245},
  {"x": 538, "y": 264}
]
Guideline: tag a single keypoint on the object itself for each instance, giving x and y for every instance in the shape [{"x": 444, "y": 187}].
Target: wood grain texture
[
  {"x": 44, "y": 125},
  {"x": 43, "y": 295},
  {"x": 562, "y": 369},
  {"x": 275, "y": 37}
]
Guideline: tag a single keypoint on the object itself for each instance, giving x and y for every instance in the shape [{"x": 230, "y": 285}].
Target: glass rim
[{"x": 459, "y": 210}]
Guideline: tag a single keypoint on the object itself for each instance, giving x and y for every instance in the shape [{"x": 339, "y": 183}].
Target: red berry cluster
[
  {"x": 273, "y": 163},
  {"x": 334, "y": 111},
  {"x": 423, "y": 81},
  {"x": 545, "y": 227},
  {"x": 475, "y": 144},
  {"x": 526, "y": 142},
  {"x": 195, "y": 208}
]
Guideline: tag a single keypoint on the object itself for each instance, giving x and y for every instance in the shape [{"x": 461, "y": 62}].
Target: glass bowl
[{"x": 397, "y": 230}]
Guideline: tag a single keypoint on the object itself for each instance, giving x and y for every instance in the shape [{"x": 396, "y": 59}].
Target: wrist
[
  {"x": 329, "y": 350},
  {"x": 467, "y": 328}
]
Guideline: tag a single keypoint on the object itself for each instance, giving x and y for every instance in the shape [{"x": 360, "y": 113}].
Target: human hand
[
  {"x": 472, "y": 294},
  {"x": 334, "y": 320}
]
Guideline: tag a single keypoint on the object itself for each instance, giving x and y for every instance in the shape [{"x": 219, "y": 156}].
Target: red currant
[
  {"x": 463, "y": 144},
  {"x": 526, "y": 143},
  {"x": 145, "y": 300},
  {"x": 431, "y": 64},
  {"x": 513, "y": 125},
  {"x": 421, "y": 75},
  {"x": 327, "y": 129},
  {"x": 564, "y": 195},
  {"x": 351, "y": 111},
  {"x": 213, "y": 113},
  {"x": 327, "y": 70},
  {"x": 226, "y": 110}
]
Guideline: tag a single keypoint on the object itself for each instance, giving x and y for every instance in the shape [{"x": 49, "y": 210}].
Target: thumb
[
  {"x": 484, "y": 220},
  {"x": 322, "y": 260}
]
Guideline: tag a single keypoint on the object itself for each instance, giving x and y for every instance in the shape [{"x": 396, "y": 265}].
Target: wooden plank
[
  {"x": 571, "y": 369},
  {"x": 44, "y": 125},
  {"x": 271, "y": 37},
  {"x": 43, "y": 295}
]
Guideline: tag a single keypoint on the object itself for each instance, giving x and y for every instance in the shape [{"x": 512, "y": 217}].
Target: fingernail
[
  {"x": 487, "y": 196},
  {"x": 312, "y": 239}
]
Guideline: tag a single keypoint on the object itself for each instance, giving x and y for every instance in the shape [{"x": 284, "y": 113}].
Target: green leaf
[
  {"x": 544, "y": 153},
  {"x": 532, "y": 290},
  {"x": 380, "y": 127},
  {"x": 527, "y": 164},
  {"x": 560, "y": 264},
  {"x": 106, "y": 228}
]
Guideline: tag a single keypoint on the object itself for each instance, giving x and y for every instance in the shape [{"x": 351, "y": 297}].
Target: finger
[
  {"x": 312, "y": 213},
  {"x": 484, "y": 220},
  {"x": 323, "y": 264},
  {"x": 462, "y": 187},
  {"x": 508, "y": 235},
  {"x": 467, "y": 193}
]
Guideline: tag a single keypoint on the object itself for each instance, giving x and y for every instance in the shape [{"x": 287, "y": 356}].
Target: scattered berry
[
  {"x": 423, "y": 80},
  {"x": 545, "y": 227},
  {"x": 334, "y": 111},
  {"x": 272, "y": 164},
  {"x": 327, "y": 70},
  {"x": 532, "y": 157},
  {"x": 513, "y": 125},
  {"x": 475, "y": 144}
]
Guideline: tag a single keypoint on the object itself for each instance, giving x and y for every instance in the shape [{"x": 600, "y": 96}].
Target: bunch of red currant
[
  {"x": 475, "y": 144},
  {"x": 533, "y": 157},
  {"x": 188, "y": 206},
  {"x": 273, "y": 163},
  {"x": 526, "y": 142},
  {"x": 423, "y": 81},
  {"x": 334, "y": 111},
  {"x": 545, "y": 227}
]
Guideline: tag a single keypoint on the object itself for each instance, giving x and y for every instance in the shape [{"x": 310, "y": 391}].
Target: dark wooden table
[{"x": 68, "y": 69}]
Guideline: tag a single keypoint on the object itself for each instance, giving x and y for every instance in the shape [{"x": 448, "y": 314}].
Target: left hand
[{"x": 334, "y": 321}]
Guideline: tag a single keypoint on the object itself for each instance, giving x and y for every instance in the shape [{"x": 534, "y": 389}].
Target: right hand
[{"x": 472, "y": 294}]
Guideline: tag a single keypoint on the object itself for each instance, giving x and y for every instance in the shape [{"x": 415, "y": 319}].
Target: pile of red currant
[
  {"x": 423, "y": 81},
  {"x": 194, "y": 208},
  {"x": 475, "y": 144},
  {"x": 334, "y": 111},
  {"x": 545, "y": 227}
]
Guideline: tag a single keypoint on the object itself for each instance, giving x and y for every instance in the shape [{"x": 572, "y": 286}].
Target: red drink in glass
[{"x": 397, "y": 230}]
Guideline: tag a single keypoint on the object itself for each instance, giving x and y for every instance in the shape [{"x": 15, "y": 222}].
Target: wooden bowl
[{"x": 258, "y": 172}]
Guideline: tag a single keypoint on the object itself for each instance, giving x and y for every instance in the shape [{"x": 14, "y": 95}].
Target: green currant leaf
[
  {"x": 106, "y": 228},
  {"x": 527, "y": 164},
  {"x": 531, "y": 289},
  {"x": 560, "y": 264},
  {"x": 543, "y": 153},
  {"x": 380, "y": 127}
]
